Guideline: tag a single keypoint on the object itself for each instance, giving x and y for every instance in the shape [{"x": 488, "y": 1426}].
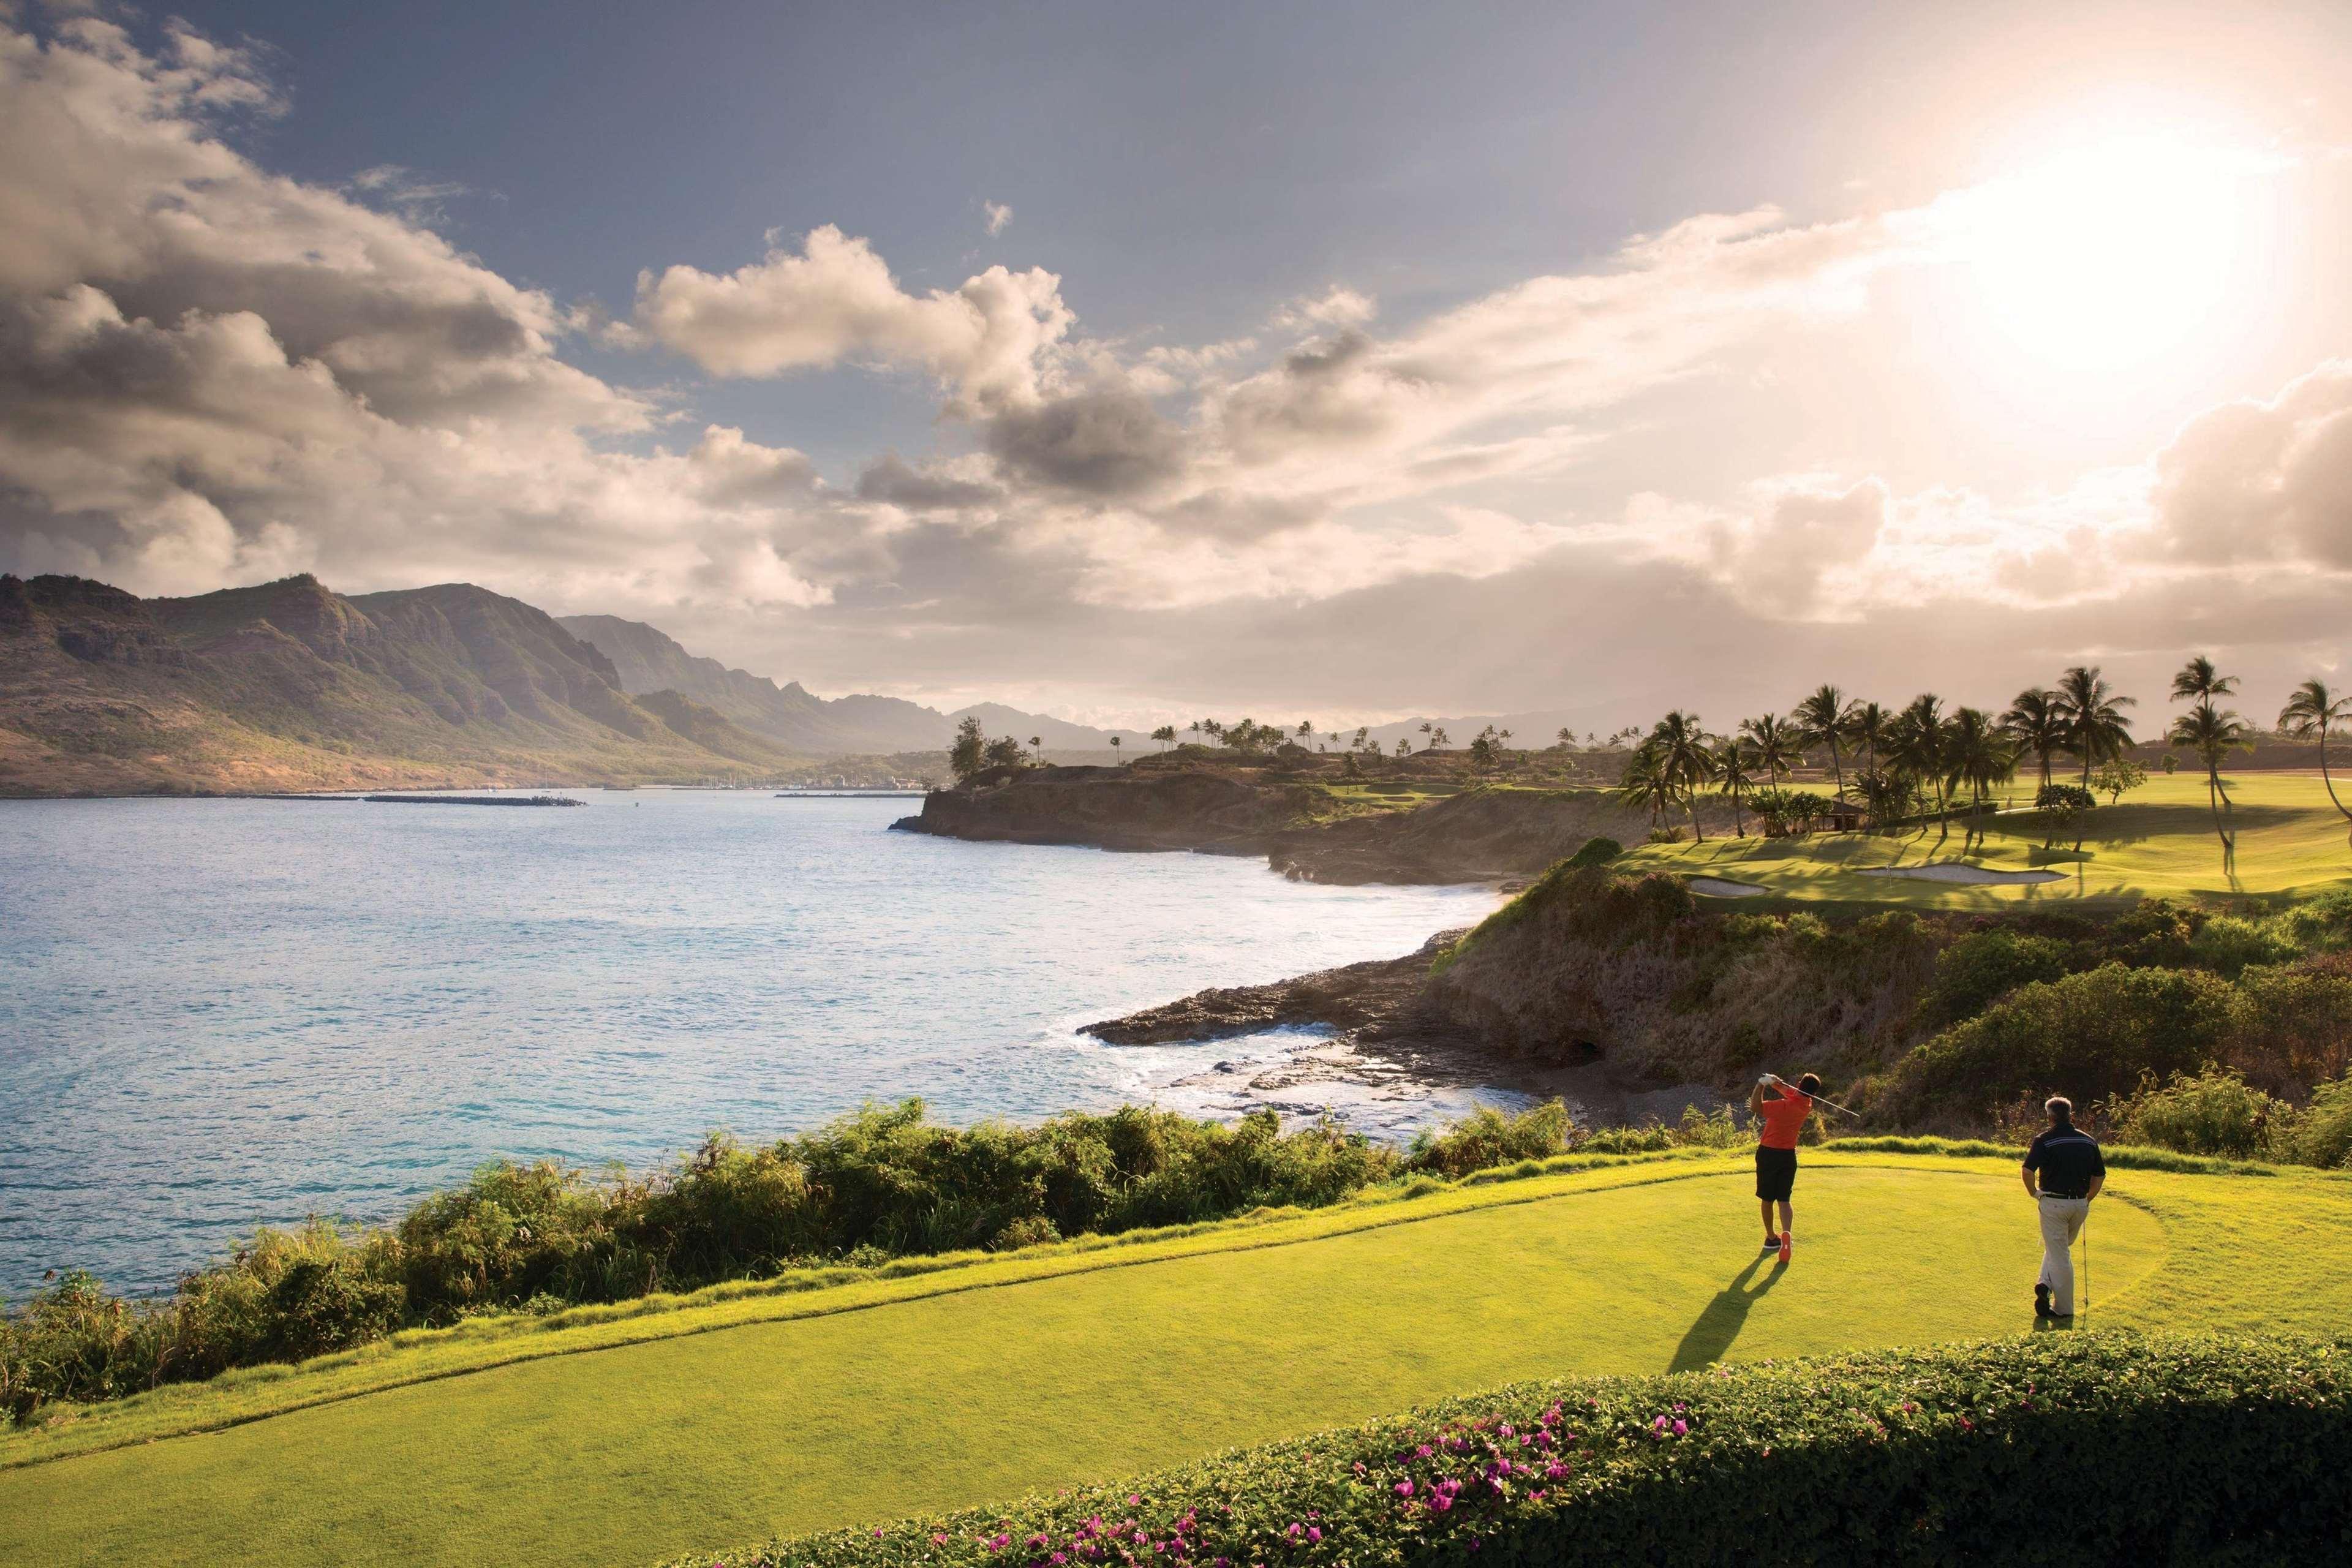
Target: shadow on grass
[{"x": 1718, "y": 1324}]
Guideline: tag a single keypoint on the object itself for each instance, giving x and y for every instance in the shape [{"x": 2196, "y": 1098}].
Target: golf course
[
  {"x": 2159, "y": 841},
  {"x": 624, "y": 1435}
]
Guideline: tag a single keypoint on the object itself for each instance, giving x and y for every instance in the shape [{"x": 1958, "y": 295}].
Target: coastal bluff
[{"x": 1295, "y": 816}]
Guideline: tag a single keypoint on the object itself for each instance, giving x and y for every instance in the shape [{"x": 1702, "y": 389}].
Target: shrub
[
  {"x": 1984, "y": 967},
  {"x": 2298, "y": 1016},
  {"x": 878, "y": 1184},
  {"x": 2320, "y": 924},
  {"x": 2091, "y": 1035},
  {"x": 1666, "y": 836},
  {"x": 1596, "y": 852},
  {"x": 2228, "y": 944},
  {"x": 1487, "y": 1137},
  {"x": 2322, "y": 1134},
  {"x": 2190, "y": 1450},
  {"x": 2213, "y": 1112}
]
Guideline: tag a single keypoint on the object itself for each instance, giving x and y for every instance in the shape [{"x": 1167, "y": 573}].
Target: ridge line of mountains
[{"x": 290, "y": 686}]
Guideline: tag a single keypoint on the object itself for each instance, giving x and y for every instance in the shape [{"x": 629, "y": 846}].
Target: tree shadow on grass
[{"x": 1717, "y": 1326}]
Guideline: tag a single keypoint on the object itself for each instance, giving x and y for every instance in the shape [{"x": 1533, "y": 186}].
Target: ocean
[{"x": 218, "y": 1014}]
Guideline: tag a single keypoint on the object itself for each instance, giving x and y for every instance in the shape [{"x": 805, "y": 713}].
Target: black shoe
[
  {"x": 2041, "y": 1302},
  {"x": 1771, "y": 1245}
]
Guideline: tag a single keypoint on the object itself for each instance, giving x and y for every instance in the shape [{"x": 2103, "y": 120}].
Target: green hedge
[{"x": 2088, "y": 1447}]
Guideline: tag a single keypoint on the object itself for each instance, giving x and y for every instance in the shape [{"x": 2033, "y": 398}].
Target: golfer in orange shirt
[{"x": 1783, "y": 1117}]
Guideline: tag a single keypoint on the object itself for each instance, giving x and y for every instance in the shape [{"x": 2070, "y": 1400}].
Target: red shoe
[{"x": 1788, "y": 1245}]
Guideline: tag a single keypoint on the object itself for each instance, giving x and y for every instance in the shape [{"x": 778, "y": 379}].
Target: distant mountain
[
  {"x": 650, "y": 659},
  {"x": 291, "y": 685}
]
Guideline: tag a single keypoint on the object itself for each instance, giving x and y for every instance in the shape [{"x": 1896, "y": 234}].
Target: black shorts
[{"x": 1776, "y": 1174}]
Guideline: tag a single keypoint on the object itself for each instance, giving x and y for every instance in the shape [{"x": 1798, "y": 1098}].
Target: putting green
[
  {"x": 788, "y": 1412},
  {"x": 2291, "y": 842}
]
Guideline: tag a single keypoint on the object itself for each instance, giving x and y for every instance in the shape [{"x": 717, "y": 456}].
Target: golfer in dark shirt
[{"x": 2066, "y": 1161}]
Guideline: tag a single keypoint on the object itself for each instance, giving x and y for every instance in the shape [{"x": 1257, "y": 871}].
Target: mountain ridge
[
  {"x": 289, "y": 685},
  {"x": 648, "y": 658}
]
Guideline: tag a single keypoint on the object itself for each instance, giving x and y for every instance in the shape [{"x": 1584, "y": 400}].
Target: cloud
[
  {"x": 1338, "y": 305},
  {"x": 417, "y": 198},
  {"x": 2256, "y": 482},
  {"x": 1099, "y": 442},
  {"x": 210, "y": 372},
  {"x": 998, "y": 216},
  {"x": 940, "y": 487},
  {"x": 835, "y": 300}
]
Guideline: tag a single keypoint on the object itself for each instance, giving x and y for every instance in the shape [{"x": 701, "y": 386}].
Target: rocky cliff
[{"x": 1306, "y": 829}]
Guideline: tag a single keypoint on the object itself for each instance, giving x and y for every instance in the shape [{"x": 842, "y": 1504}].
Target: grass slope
[
  {"x": 794, "y": 1412},
  {"x": 2291, "y": 842}
]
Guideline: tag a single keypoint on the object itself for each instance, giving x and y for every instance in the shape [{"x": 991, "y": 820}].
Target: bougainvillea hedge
[{"x": 2089, "y": 1447}]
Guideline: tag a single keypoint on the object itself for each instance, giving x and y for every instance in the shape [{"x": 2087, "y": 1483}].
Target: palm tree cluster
[{"x": 1889, "y": 763}]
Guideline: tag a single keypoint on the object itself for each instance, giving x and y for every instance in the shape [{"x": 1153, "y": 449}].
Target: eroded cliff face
[
  {"x": 1478, "y": 835},
  {"x": 1590, "y": 967},
  {"x": 1118, "y": 808}
]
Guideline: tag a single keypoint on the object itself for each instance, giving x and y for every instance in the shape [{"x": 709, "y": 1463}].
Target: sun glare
[{"x": 2110, "y": 256}]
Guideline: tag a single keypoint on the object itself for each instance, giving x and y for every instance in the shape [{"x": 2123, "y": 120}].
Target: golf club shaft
[{"x": 1816, "y": 1099}]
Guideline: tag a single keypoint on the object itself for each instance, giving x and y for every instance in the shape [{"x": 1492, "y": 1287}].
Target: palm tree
[
  {"x": 2310, "y": 711},
  {"x": 1866, "y": 726},
  {"x": 2213, "y": 732},
  {"x": 1821, "y": 721},
  {"x": 2096, "y": 729},
  {"x": 1735, "y": 771},
  {"x": 1646, "y": 783},
  {"x": 1977, "y": 753},
  {"x": 1915, "y": 743},
  {"x": 1883, "y": 794},
  {"x": 1778, "y": 747},
  {"x": 2199, "y": 679},
  {"x": 1684, "y": 759},
  {"x": 1113, "y": 750},
  {"x": 1164, "y": 735},
  {"x": 2035, "y": 723},
  {"x": 1567, "y": 737}
]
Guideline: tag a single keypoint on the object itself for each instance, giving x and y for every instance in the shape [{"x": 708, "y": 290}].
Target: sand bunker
[
  {"x": 1954, "y": 871},
  {"x": 1717, "y": 888}
]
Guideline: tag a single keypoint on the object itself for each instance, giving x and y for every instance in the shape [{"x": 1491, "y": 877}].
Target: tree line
[{"x": 1888, "y": 764}]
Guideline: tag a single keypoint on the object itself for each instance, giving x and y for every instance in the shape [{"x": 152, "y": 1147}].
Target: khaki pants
[{"x": 2061, "y": 1222}]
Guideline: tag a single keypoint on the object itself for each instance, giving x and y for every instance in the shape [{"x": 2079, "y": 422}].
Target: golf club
[
  {"x": 1816, "y": 1099},
  {"x": 2087, "y": 1263}
]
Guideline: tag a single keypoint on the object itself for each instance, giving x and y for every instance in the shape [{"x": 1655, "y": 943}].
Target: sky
[{"x": 1137, "y": 364}]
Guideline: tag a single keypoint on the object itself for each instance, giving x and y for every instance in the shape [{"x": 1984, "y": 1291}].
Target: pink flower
[
  {"x": 1441, "y": 1502},
  {"x": 1405, "y": 1488},
  {"x": 939, "y": 1538},
  {"x": 1682, "y": 1428},
  {"x": 1314, "y": 1532}
]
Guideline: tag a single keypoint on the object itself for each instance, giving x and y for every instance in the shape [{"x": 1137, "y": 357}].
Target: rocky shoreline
[{"x": 1390, "y": 1034}]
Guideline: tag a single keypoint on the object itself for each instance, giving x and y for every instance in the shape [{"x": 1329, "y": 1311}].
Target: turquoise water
[{"x": 219, "y": 1013}]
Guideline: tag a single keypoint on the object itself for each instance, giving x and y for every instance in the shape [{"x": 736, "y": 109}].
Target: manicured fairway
[
  {"x": 2291, "y": 842},
  {"x": 951, "y": 1389}
]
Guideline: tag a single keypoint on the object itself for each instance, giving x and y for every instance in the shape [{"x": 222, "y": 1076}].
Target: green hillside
[
  {"x": 621, "y": 1436},
  {"x": 2290, "y": 841}
]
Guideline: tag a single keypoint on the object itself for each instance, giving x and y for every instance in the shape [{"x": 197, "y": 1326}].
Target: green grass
[
  {"x": 2291, "y": 843},
  {"x": 735, "y": 1418}
]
